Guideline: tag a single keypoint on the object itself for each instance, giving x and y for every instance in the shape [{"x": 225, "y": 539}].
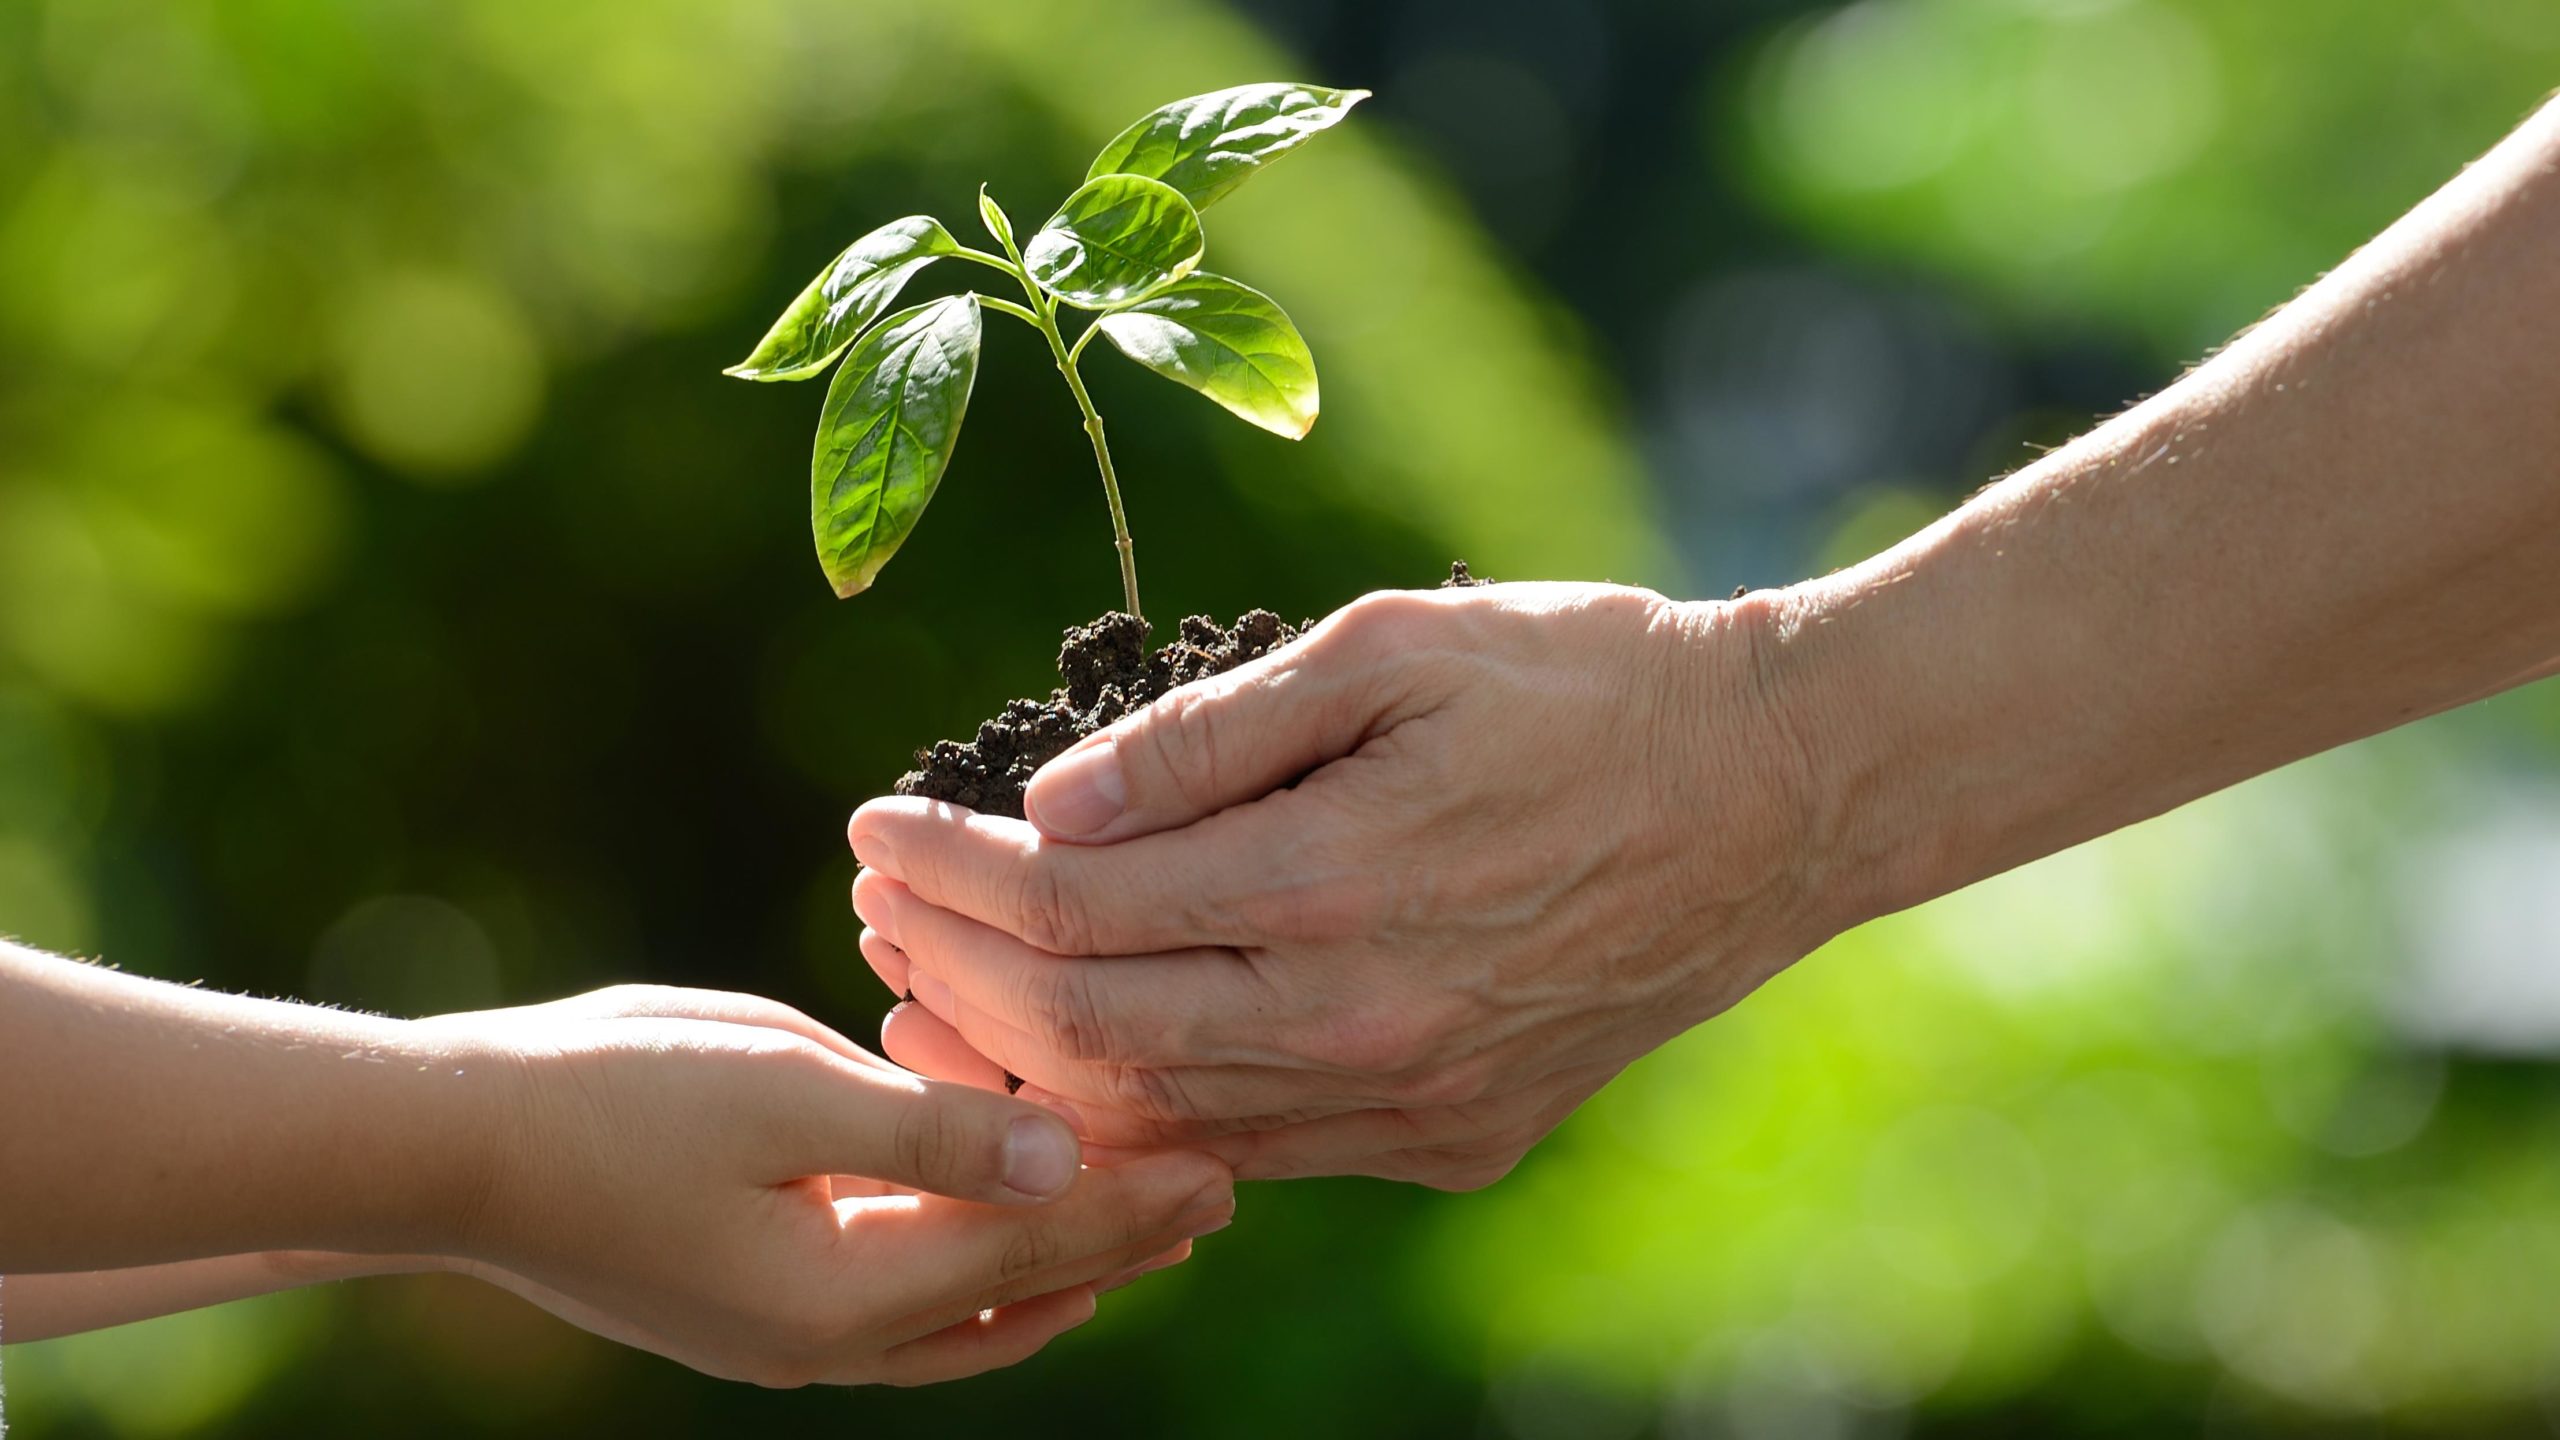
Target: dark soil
[{"x": 1108, "y": 672}]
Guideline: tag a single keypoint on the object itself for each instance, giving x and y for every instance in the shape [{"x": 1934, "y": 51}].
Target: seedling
[{"x": 1126, "y": 246}]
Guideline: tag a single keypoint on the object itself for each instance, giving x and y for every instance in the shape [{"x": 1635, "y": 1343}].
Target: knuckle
[
  {"x": 1375, "y": 1041},
  {"x": 1442, "y": 1086},
  {"x": 1379, "y": 622},
  {"x": 1053, "y": 915},
  {"x": 928, "y": 1142},
  {"x": 1139, "y": 1225},
  {"x": 1149, "y": 1093},
  {"x": 1352, "y": 902},
  {"x": 1027, "y": 1252},
  {"x": 1064, "y": 1003},
  {"x": 1181, "y": 735}
]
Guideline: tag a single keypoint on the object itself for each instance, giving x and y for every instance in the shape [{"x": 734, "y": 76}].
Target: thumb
[
  {"x": 1212, "y": 744},
  {"x": 949, "y": 1139}
]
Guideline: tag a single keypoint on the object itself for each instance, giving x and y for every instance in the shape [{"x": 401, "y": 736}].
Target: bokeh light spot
[
  {"x": 406, "y": 955},
  {"x": 436, "y": 375}
]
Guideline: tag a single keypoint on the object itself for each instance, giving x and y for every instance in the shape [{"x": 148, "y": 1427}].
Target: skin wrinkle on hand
[{"x": 2087, "y": 642}]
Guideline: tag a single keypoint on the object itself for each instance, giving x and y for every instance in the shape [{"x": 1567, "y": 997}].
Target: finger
[
  {"x": 886, "y": 960},
  {"x": 1187, "y": 1007},
  {"x": 947, "y": 1139},
  {"x": 918, "y": 1039},
  {"x": 1239, "y": 877},
  {"x": 940, "y": 1262},
  {"x": 1358, "y": 1142},
  {"x": 1221, "y": 741},
  {"x": 957, "y": 1305},
  {"x": 1133, "y": 1104},
  {"x": 1165, "y": 1261},
  {"x": 1110, "y": 1126},
  {"x": 1389, "y": 1144},
  {"x": 987, "y": 1341},
  {"x": 1349, "y": 1144}
]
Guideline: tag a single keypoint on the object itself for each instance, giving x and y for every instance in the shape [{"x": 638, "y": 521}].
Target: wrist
[
  {"x": 1834, "y": 740},
  {"x": 1762, "y": 808},
  {"x": 465, "y": 1141},
  {"x": 1955, "y": 705}
]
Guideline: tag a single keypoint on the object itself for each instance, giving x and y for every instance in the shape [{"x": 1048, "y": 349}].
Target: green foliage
[
  {"x": 1122, "y": 244},
  {"x": 1115, "y": 242},
  {"x": 2083, "y": 161},
  {"x": 998, "y": 223},
  {"x": 885, "y": 437},
  {"x": 1209, "y": 144},
  {"x": 845, "y": 298},
  {"x": 1228, "y": 341}
]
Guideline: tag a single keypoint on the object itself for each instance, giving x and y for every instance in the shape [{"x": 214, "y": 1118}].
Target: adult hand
[
  {"x": 1390, "y": 901},
  {"x": 724, "y": 1181}
]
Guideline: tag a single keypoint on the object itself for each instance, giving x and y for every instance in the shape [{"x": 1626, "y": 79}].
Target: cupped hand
[
  {"x": 1391, "y": 901},
  {"x": 724, "y": 1181}
]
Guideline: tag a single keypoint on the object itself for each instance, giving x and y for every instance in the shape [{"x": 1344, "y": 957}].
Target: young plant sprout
[{"x": 1126, "y": 245}]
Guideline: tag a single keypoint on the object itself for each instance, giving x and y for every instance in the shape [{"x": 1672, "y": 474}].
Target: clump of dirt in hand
[{"x": 1108, "y": 672}]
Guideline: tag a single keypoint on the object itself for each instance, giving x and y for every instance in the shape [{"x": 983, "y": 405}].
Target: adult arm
[{"x": 1394, "y": 899}]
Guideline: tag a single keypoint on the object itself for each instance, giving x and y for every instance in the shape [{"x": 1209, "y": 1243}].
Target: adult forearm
[
  {"x": 2348, "y": 519},
  {"x": 142, "y": 1122}
]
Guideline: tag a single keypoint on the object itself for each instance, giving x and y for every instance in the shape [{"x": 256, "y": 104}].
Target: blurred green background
[{"x": 398, "y": 609}]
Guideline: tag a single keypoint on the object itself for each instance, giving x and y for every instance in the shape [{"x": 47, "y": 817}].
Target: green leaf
[
  {"x": 999, "y": 224},
  {"x": 1227, "y": 341},
  {"x": 892, "y": 415},
  {"x": 1117, "y": 239},
  {"x": 847, "y": 296},
  {"x": 1209, "y": 144}
]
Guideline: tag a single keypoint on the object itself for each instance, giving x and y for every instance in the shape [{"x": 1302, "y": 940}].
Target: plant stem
[
  {"x": 1020, "y": 312},
  {"x": 1101, "y": 457},
  {"x": 1043, "y": 313},
  {"x": 992, "y": 262}
]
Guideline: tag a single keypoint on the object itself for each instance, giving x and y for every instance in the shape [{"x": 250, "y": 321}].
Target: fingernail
[
  {"x": 1079, "y": 792},
  {"x": 874, "y": 854},
  {"x": 874, "y": 908},
  {"x": 929, "y": 989},
  {"x": 1039, "y": 1156}
]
